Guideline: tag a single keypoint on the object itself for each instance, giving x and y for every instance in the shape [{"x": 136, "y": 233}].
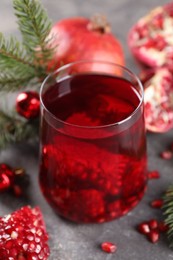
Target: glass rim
[{"x": 63, "y": 67}]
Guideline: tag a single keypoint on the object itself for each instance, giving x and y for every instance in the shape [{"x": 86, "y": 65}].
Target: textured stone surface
[{"x": 70, "y": 241}]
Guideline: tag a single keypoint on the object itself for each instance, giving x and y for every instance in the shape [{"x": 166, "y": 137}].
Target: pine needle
[
  {"x": 168, "y": 213},
  {"x": 35, "y": 27},
  {"x": 12, "y": 51}
]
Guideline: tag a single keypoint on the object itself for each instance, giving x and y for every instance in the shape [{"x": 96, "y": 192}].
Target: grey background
[{"x": 69, "y": 241}]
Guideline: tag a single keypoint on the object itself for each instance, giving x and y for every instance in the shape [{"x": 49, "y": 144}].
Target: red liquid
[{"x": 92, "y": 174}]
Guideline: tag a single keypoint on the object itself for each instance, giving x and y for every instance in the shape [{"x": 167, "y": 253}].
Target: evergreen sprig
[
  {"x": 34, "y": 26},
  {"x": 16, "y": 68},
  {"x": 24, "y": 65},
  {"x": 168, "y": 212}
]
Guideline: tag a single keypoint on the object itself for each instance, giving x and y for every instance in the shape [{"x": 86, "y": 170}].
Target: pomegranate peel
[{"x": 80, "y": 38}]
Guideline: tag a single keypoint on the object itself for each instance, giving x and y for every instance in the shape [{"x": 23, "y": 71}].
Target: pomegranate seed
[
  {"x": 108, "y": 247},
  {"x": 153, "y": 224},
  {"x": 153, "y": 236},
  {"x": 157, "y": 203},
  {"x": 153, "y": 175},
  {"x": 167, "y": 154},
  {"x": 4, "y": 182},
  {"x": 144, "y": 228},
  {"x": 163, "y": 227},
  {"x": 17, "y": 190}
]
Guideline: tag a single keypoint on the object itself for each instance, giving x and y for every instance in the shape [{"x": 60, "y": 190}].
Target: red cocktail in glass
[{"x": 93, "y": 145}]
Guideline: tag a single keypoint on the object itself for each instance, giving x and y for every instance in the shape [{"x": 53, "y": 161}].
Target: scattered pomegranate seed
[
  {"x": 17, "y": 190},
  {"x": 108, "y": 247},
  {"x": 153, "y": 224},
  {"x": 153, "y": 236},
  {"x": 163, "y": 227},
  {"x": 157, "y": 203},
  {"x": 153, "y": 175},
  {"x": 167, "y": 155},
  {"x": 144, "y": 228}
]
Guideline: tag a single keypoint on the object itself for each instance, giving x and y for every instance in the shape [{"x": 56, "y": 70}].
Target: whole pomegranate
[
  {"x": 79, "y": 38},
  {"x": 158, "y": 99},
  {"x": 151, "y": 38}
]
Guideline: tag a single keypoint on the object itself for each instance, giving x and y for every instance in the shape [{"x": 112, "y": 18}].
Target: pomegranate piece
[
  {"x": 157, "y": 203},
  {"x": 108, "y": 247},
  {"x": 158, "y": 99},
  {"x": 23, "y": 235},
  {"x": 167, "y": 154},
  {"x": 153, "y": 236},
  {"x": 143, "y": 228},
  {"x": 153, "y": 224},
  {"x": 151, "y": 38},
  {"x": 153, "y": 175},
  {"x": 163, "y": 227}
]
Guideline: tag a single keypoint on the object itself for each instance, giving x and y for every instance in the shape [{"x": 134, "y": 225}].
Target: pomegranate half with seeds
[
  {"x": 151, "y": 38},
  {"x": 158, "y": 99}
]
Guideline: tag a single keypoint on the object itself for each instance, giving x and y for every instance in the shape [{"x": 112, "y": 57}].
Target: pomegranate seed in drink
[{"x": 87, "y": 167}]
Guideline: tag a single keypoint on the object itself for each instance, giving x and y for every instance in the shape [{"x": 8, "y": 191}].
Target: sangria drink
[{"x": 93, "y": 144}]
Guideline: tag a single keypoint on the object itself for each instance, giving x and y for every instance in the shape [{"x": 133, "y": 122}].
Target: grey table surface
[{"x": 69, "y": 241}]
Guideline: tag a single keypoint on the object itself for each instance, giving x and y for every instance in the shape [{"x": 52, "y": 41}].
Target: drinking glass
[{"x": 93, "y": 144}]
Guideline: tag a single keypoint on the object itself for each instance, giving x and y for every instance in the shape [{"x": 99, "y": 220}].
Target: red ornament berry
[
  {"x": 143, "y": 228},
  {"x": 28, "y": 104},
  {"x": 108, "y": 247},
  {"x": 153, "y": 175},
  {"x": 153, "y": 236},
  {"x": 23, "y": 235},
  {"x": 157, "y": 203}
]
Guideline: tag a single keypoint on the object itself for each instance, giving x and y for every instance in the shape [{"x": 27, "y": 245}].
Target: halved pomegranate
[
  {"x": 151, "y": 38},
  {"x": 158, "y": 99}
]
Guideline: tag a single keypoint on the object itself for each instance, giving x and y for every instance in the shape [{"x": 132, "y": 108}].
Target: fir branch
[
  {"x": 14, "y": 129},
  {"x": 15, "y": 80},
  {"x": 16, "y": 69},
  {"x": 168, "y": 213},
  {"x": 13, "y": 54},
  {"x": 35, "y": 27}
]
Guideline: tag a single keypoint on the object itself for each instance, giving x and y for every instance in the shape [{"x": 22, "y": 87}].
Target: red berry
[
  {"x": 153, "y": 175},
  {"x": 153, "y": 224},
  {"x": 157, "y": 203},
  {"x": 144, "y": 228},
  {"x": 23, "y": 235},
  {"x": 108, "y": 247},
  {"x": 153, "y": 236}
]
